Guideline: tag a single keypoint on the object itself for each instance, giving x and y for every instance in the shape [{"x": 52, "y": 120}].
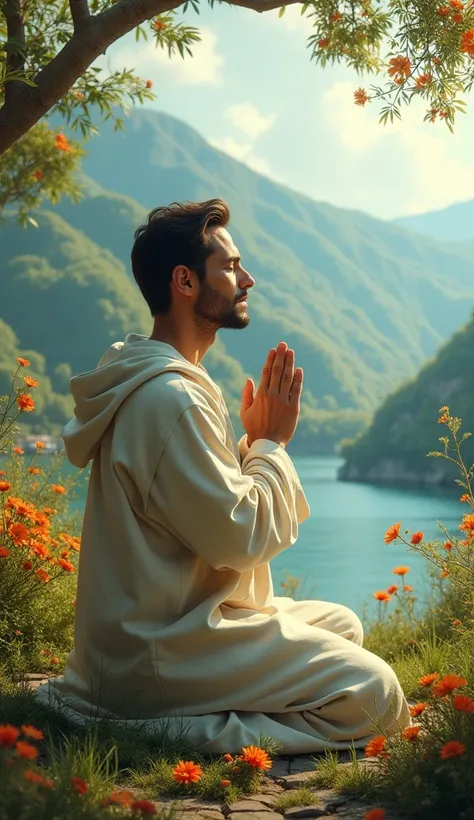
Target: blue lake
[{"x": 340, "y": 554}]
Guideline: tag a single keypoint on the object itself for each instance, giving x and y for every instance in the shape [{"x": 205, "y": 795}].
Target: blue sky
[{"x": 251, "y": 90}]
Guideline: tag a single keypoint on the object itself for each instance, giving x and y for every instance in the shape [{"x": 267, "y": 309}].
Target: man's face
[{"x": 222, "y": 295}]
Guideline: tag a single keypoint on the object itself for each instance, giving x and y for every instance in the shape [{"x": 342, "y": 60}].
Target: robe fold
[{"x": 177, "y": 624}]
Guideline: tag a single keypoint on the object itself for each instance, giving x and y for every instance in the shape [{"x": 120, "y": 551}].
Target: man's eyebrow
[{"x": 233, "y": 259}]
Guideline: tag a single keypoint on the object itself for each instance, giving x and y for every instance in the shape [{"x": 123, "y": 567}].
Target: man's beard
[{"x": 218, "y": 311}]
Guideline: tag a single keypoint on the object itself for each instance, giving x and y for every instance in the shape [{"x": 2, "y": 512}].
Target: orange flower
[
  {"x": 18, "y": 533},
  {"x": 66, "y": 565},
  {"x": 463, "y": 703},
  {"x": 39, "y": 445},
  {"x": 444, "y": 418},
  {"x": 381, "y": 595},
  {"x": 458, "y": 5},
  {"x": 467, "y": 522},
  {"x": 145, "y": 806},
  {"x": 453, "y": 748},
  {"x": 467, "y": 42},
  {"x": 27, "y": 750},
  {"x": 411, "y": 733},
  {"x": 392, "y": 589},
  {"x": 8, "y": 735},
  {"x": 448, "y": 684},
  {"x": 423, "y": 79},
  {"x": 149, "y": 84},
  {"x": 4, "y": 486},
  {"x": 401, "y": 570},
  {"x": 225, "y": 784},
  {"x": 121, "y": 798},
  {"x": 228, "y": 758},
  {"x": 400, "y": 68},
  {"x": 34, "y": 470},
  {"x": 23, "y": 362},
  {"x": 375, "y": 814},
  {"x": 427, "y": 680},
  {"x": 43, "y": 576},
  {"x": 408, "y": 588},
  {"x": 57, "y": 488},
  {"x": 417, "y": 709},
  {"x": 457, "y": 622},
  {"x": 447, "y": 546},
  {"x": 32, "y": 776},
  {"x": 25, "y": 403},
  {"x": 4, "y": 553},
  {"x": 159, "y": 25},
  {"x": 417, "y": 537},
  {"x": 187, "y": 772},
  {"x": 392, "y": 533},
  {"x": 361, "y": 97},
  {"x": 61, "y": 143},
  {"x": 335, "y": 17},
  {"x": 465, "y": 497},
  {"x": 256, "y": 758},
  {"x": 444, "y": 573},
  {"x": 18, "y": 451},
  {"x": 323, "y": 43},
  {"x": 443, "y": 11},
  {"x": 38, "y": 175},
  {"x": 30, "y": 381},
  {"x": 32, "y": 732},
  {"x": 79, "y": 785},
  {"x": 376, "y": 746},
  {"x": 27, "y": 565},
  {"x": 54, "y": 661}
]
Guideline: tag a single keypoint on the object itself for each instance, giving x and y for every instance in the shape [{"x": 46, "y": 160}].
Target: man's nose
[{"x": 246, "y": 280}]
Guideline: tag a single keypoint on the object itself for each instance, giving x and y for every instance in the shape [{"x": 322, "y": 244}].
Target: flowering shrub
[{"x": 38, "y": 556}]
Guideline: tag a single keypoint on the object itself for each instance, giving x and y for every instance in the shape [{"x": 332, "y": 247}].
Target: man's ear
[{"x": 183, "y": 280}]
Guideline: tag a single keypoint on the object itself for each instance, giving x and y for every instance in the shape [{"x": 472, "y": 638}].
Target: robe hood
[{"x": 99, "y": 393}]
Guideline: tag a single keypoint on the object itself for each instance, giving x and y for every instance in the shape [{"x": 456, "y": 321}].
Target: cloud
[
  {"x": 243, "y": 152},
  {"x": 293, "y": 20},
  {"x": 248, "y": 118},
  {"x": 419, "y": 166},
  {"x": 203, "y": 68}
]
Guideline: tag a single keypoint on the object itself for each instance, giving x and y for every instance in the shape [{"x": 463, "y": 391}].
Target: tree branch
[
  {"x": 79, "y": 12},
  {"x": 90, "y": 39},
  {"x": 15, "y": 46}
]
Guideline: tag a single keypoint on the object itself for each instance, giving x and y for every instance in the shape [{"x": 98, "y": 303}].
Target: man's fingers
[
  {"x": 288, "y": 373},
  {"x": 296, "y": 387},
  {"x": 248, "y": 394},
  {"x": 277, "y": 369},
  {"x": 267, "y": 369}
]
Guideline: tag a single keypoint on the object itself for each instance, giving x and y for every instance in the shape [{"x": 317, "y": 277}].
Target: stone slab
[
  {"x": 255, "y": 815},
  {"x": 304, "y": 811},
  {"x": 302, "y": 764},
  {"x": 247, "y": 805}
]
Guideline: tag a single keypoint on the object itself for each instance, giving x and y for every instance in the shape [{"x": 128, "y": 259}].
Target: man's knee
[
  {"x": 384, "y": 698},
  {"x": 348, "y": 625}
]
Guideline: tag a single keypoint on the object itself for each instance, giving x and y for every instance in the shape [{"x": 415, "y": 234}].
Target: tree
[{"x": 419, "y": 48}]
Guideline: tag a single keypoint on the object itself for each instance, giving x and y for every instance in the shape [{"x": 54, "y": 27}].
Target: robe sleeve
[{"x": 232, "y": 516}]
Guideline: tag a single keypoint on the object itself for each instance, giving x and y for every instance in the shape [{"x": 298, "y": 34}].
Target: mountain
[
  {"x": 405, "y": 428},
  {"x": 363, "y": 302},
  {"x": 453, "y": 224}
]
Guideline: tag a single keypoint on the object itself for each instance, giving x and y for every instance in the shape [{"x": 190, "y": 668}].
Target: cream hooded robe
[{"x": 176, "y": 621}]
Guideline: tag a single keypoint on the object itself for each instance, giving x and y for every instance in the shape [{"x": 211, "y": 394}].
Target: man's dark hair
[{"x": 176, "y": 234}]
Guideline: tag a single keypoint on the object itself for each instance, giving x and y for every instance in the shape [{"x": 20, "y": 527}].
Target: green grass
[{"x": 295, "y": 798}]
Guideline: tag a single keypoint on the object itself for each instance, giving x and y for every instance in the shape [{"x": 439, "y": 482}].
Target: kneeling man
[{"x": 175, "y": 614}]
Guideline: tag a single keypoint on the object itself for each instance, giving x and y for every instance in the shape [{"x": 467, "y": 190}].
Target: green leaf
[{"x": 282, "y": 11}]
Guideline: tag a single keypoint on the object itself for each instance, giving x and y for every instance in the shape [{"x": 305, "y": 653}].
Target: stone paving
[{"x": 285, "y": 774}]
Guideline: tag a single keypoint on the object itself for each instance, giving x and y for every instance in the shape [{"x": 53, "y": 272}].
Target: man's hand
[{"x": 273, "y": 411}]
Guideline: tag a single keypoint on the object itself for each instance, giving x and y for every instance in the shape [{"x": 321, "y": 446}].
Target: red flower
[
  {"x": 8, "y": 735},
  {"x": 361, "y": 97},
  {"x": 392, "y": 589},
  {"x": 323, "y": 43},
  {"x": 417, "y": 709},
  {"x": 4, "y": 486},
  {"x": 448, "y": 684},
  {"x": 18, "y": 533},
  {"x": 66, "y": 565},
  {"x": 4, "y": 553},
  {"x": 417, "y": 537},
  {"x": 79, "y": 785},
  {"x": 121, "y": 798},
  {"x": 23, "y": 362},
  {"x": 375, "y": 814},
  {"x": 145, "y": 806},
  {"x": 38, "y": 175},
  {"x": 411, "y": 733},
  {"x": 228, "y": 758},
  {"x": 453, "y": 748},
  {"x": 149, "y": 84},
  {"x": 463, "y": 703},
  {"x": 467, "y": 42},
  {"x": 27, "y": 565},
  {"x": 225, "y": 783}
]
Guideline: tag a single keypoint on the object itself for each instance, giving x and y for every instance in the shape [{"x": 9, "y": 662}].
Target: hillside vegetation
[{"x": 363, "y": 302}]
